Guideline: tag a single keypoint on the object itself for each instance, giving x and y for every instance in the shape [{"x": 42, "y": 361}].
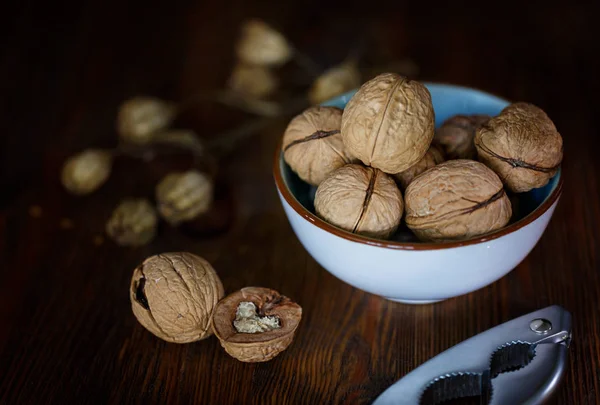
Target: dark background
[{"x": 67, "y": 334}]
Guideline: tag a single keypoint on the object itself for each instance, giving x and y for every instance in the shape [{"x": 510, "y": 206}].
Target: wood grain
[{"x": 67, "y": 333}]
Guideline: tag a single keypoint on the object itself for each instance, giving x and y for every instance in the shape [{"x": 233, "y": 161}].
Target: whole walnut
[
  {"x": 256, "y": 341},
  {"x": 183, "y": 196},
  {"x": 432, "y": 157},
  {"x": 455, "y": 200},
  {"x": 132, "y": 223},
  {"x": 260, "y": 44},
  {"x": 389, "y": 123},
  {"x": 522, "y": 146},
  {"x": 335, "y": 81},
  {"x": 173, "y": 296},
  {"x": 456, "y": 136},
  {"x": 85, "y": 172},
  {"x": 141, "y": 117},
  {"x": 253, "y": 80},
  {"x": 312, "y": 144},
  {"x": 361, "y": 200}
]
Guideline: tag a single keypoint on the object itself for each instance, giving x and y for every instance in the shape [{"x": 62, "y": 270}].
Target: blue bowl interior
[{"x": 447, "y": 101}]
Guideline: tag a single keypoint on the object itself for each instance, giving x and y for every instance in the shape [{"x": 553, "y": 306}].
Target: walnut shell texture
[
  {"x": 312, "y": 144},
  {"x": 522, "y": 146},
  {"x": 85, "y": 172},
  {"x": 173, "y": 296},
  {"x": 256, "y": 347},
  {"x": 141, "y": 117},
  {"x": 432, "y": 157},
  {"x": 361, "y": 200},
  {"x": 456, "y": 135},
  {"x": 455, "y": 200},
  {"x": 389, "y": 123}
]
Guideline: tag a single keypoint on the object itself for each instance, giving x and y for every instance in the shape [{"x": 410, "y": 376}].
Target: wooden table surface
[{"x": 67, "y": 333}]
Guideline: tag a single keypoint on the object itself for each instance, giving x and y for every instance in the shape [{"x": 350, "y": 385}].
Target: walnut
[
  {"x": 432, "y": 157},
  {"x": 183, "y": 196},
  {"x": 361, "y": 200},
  {"x": 260, "y": 44},
  {"x": 389, "y": 123},
  {"x": 141, "y": 117},
  {"x": 335, "y": 81},
  {"x": 173, "y": 295},
  {"x": 132, "y": 223},
  {"x": 456, "y": 136},
  {"x": 86, "y": 171},
  {"x": 455, "y": 200},
  {"x": 312, "y": 144},
  {"x": 253, "y": 80},
  {"x": 256, "y": 346},
  {"x": 522, "y": 146}
]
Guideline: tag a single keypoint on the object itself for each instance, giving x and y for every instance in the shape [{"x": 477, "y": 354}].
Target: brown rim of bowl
[{"x": 315, "y": 220}]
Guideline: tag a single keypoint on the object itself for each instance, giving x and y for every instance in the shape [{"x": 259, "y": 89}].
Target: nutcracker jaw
[{"x": 518, "y": 362}]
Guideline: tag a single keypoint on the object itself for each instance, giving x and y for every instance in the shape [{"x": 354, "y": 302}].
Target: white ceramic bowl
[{"x": 419, "y": 273}]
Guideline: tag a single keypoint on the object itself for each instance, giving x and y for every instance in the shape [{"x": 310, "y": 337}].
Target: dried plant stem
[
  {"x": 224, "y": 143},
  {"x": 232, "y": 99}
]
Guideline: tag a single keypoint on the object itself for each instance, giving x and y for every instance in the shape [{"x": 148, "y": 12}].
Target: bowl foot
[{"x": 414, "y": 302}]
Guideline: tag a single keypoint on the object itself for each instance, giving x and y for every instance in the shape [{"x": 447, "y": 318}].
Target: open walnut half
[{"x": 276, "y": 319}]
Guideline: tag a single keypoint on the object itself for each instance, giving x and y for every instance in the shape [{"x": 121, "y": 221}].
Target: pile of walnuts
[
  {"x": 384, "y": 141},
  {"x": 179, "y": 298}
]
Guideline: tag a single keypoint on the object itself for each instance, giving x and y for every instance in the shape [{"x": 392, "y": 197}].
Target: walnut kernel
[{"x": 262, "y": 345}]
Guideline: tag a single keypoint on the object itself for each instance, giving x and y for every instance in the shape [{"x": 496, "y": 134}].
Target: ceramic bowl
[{"x": 414, "y": 272}]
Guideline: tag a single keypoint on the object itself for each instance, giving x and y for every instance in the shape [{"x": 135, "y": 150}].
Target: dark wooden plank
[{"x": 68, "y": 334}]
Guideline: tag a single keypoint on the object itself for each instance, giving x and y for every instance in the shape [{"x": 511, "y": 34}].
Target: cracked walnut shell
[
  {"x": 259, "y": 346},
  {"x": 522, "y": 146},
  {"x": 456, "y": 135},
  {"x": 456, "y": 200},
  {"x": 389, "y": 123},
  {"x": 361, "y": 200},
  {"x": 141, "y": 117},
  {"x": 173, "y": 296},
  {"x": 432, "y": 157},
  {"x": 312, "y": 144}
]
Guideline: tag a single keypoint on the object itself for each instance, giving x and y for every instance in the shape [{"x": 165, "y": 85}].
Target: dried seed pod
[
  {"x": 455, "y": 200},
  {"x": 173, "y": 295},
  {"x": 253, "y": 80},
  {"x": 312, "y": 144},
  {"x": 86, "y": 171},
  {"x": 184, "y": 196},
  {"x": 132, "y": 223},
  {"x": 432, "y": 157},
  {"x": 456, "y": 136},
  {"x": 522, "y": 146},
  {"x": 140, "y": 117},
  {"x": 361, "y": 200},
  {"x": 260, "y": 44},
  {"x": 389, "y": 123},
  {"x": 256, "y": 345},
  {"x": 335, "y": 81}
]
